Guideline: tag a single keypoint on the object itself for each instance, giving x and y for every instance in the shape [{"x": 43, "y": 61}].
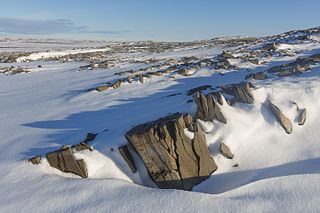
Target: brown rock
[
  {"x": 241, "y": 92},
  {"x": 35, "y": 160},
  {"x": 208, "y": 107},
  {"x": 102, "y": 88},
  {"x": 116, "y": 84},
  {"x": 282, "y": 119},
  {"x": 173, "y": 160},
  {"x": 82, "y": 146},
  {"x": 225, "y": 151},
  {"x": 64, "y": 160}
]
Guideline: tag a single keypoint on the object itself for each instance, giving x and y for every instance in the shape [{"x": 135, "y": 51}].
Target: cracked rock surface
[
  {"x": 172, "y": 159},
  {"x": 208, "y": 107}
]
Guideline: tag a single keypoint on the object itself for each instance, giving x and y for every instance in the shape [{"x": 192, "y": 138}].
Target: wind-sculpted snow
[{"x": 262, "y": 169}]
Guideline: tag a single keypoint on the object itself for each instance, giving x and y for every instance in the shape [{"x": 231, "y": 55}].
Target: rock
[
  {"x": 208, "y": 107},
  {"x": 257, "y": 76},
  {"x": 125, "y": 153},
  {"x": 173, "y": 160},
  {"x": 65, "y": 161},
  {"x": 198, "y": 89},
  {"x": 102, "y": 88},
  {"x": 241, "y": 92},
  {"x": 302, "y": 116},
  {"x": 282, "y": 119},
  {"x": 225, "y": 151},
  {"x": 255, "y": 61},
  {"x": 141, "y": 79},
  {"x": 116, "y": 84},
  {"x": 82, "y": 146},
  {"x": 271, "y": 47},
  {"x": 227, "y": 55},
  {"x": 35, "y": 160}
]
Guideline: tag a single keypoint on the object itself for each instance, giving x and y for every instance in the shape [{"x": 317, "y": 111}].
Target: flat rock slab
[
  {"x": 282, "y": 119},
  {"x": 172, "y": 159},
  {"x": 65, "y": 161}
]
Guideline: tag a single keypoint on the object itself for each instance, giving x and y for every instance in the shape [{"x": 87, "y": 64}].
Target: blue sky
[{"x": 168, "y": 20}]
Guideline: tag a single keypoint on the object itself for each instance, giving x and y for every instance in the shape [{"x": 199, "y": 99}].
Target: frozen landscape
[{"x": 254, "y": 105}]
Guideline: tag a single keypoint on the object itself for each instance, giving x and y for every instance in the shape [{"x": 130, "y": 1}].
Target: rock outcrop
[
  {"x": 172, "y": 159},
  {"x": 282, "y": 119},
  {"x": 208, "y": 107},
  {"x": 241, "y": 92},
  {"x": 65, "y": 161}
]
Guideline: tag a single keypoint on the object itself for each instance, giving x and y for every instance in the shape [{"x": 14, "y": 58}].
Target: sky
[{"x": 163, "y": 20}]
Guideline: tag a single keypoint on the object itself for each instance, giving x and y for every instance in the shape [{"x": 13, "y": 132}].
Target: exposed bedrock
[{"x": 172, "y": 159}]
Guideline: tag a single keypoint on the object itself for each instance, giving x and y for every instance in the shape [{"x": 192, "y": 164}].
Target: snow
[
  {"x": 53, "y": 54},
  {"x": 42, "y": 110}
]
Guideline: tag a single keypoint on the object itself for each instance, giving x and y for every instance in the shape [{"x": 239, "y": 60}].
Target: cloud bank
[{"x": 48, "y": 27}]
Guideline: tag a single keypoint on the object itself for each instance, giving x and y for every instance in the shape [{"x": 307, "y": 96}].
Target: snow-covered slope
[{"x": 53, "y": 105}]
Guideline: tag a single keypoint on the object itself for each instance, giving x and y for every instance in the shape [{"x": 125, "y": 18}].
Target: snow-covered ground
[{"x": 43, "y": 110}]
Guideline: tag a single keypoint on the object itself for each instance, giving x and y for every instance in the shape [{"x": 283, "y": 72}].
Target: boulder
[
  {"x": 65, "y": 161},
  {"x": 35, "y": 160},
  {"x": 282, "y": 119},
  {"x": 225, "y": 151},
  {"x": 302, "y": 116},
  {"x": 241, "y": 92},
  {"x": 125, "y": 153},
  {"x": 208, "y": 107},
  {"x": 172, "y": 159}
]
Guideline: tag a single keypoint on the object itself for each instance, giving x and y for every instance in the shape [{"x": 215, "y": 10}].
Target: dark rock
[
  {"x": 35, "y": 160},
  {"x": 282, "y": 119},
  {"x": 90, "y": 137},
  {"x": 64, "y": 160},
  {"x": 173, "y": 160},
  {"x": 302, "y": 116},
  {"x": 225, "y": 151},
  {"x": 208, "y": 107},
  {"x": 235, "y": 165},
  {"x": 198, "y": 89},
  {"x": 125, "y": 153}
]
